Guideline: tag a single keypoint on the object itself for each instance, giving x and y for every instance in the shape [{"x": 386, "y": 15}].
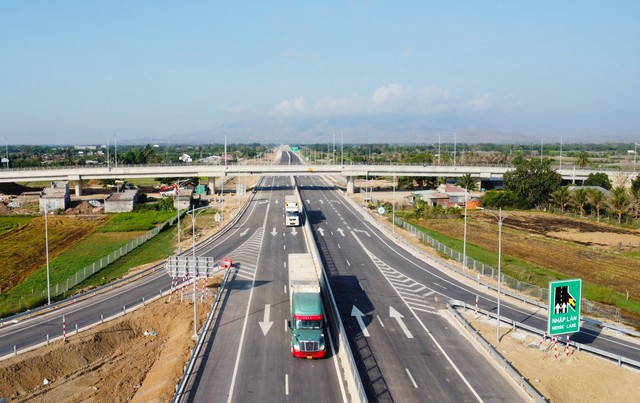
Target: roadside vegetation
[{"x": 74, "y": 243}]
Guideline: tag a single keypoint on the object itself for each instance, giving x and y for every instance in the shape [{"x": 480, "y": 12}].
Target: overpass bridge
[{"x": 79, "y": 173}]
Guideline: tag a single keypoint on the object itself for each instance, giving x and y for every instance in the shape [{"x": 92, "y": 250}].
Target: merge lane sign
[{"x": 564, "y": 306}]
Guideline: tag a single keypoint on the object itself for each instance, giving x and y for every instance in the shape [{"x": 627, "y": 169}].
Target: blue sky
[{"x": 85, "y": 71}]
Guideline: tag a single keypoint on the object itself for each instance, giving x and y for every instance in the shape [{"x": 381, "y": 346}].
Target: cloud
[
  {"x": 296, "y": 106},
  {"x": 387, "y": 99}
]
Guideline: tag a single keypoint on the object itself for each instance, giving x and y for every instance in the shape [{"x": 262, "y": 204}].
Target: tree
[
  {"x": 619, "y": 202},
  {"x": 598, "y": 179},
  {"x": 635, "y": 195},
  {"x": 582, "y": 159},
  {"x": 597, "y": 200},
  {"x": 532, "y": 181},
  {"x": 499, "y": 198},
  {"x": 579, "y": 199},
  {"x": 467, "y": 182},
  {"x": 561, "y": 198}
]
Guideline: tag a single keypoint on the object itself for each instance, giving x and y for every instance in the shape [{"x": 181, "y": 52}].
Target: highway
[
  {"x": 248, "y": 356},
  {"x": 390, "y": 300}
]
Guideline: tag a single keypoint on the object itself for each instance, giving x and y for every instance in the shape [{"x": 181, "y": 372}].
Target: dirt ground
[
  {"x": 117, "y": 362},
  {"x": 578, "y": 377}
]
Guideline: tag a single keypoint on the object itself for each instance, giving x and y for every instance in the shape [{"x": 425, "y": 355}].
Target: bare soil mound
[{"x": 139, "y": 356}]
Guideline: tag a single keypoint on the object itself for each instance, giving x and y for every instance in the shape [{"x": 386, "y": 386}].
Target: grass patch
[
  {"x": 533, "y": 274},
  {"x": 510, "y": 266},
  {"x": 158, "y": 248},
  {"x": 125, "y": 222},
  {"x": 10, "y": 223}
]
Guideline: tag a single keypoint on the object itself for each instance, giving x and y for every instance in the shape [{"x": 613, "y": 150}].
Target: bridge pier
[
  {"x": 350, "y": 185},
  {"x": 78, "y": 181},
  {"x": 212, "y": 184}
]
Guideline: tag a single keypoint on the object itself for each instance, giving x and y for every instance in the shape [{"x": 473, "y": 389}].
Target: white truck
[
  {"x": 291, "y": 211},
  {"x": 305, "y": 304}
]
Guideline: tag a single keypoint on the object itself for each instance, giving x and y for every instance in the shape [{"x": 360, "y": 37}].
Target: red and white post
[
  {"x": 544, "y": 336},
  {"x": 476, "y": 312},
  {"x": 555, "y": 346},
  {"x": 567, "y": 348},
  {"x": 64, "y": 328}
]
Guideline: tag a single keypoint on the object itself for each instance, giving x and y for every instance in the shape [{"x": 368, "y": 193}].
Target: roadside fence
[{"x": 521, "y": 287}]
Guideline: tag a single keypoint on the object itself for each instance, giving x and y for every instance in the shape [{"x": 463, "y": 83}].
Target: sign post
[{"x": 564, "y": 307}]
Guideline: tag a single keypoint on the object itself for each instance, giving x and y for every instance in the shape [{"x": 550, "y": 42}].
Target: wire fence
[
  {"x": 521, "y": 287},
  {"x": 81, "y": 275}
]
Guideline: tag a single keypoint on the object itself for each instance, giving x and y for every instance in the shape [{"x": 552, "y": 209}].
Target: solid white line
[
  {"x": 439, "y": 285},
  {"x": 246, "y": 319},
  {"x": 286, "y": 384},
  {"x": 411, "y": 377},
  {"x": 335, "y": 363},
  {"x": 380, "y": 320}
]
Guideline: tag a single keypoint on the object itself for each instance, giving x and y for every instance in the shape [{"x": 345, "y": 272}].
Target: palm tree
[
  {"x": 582, "y": 159},
  {"x": 597, "y": 200},
  {"x": 620, "y": 202},
  {"x": 561, "y": 198},
  {"x": 467, "y": 182},
  {"x": 579, "y": 198}
]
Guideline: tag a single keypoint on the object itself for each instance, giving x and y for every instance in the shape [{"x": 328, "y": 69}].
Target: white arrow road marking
[
  {"x": 341, "y": 231},
  {"x": 274, "y": 231},
  {"x": 358, "y": 315},
  {"x": 243, "y": 233},
  {"x": 321, "y": 201},
  {"x": 265, "y": 325},
  {"x": 321, "y": 231},
  {"x": 398, "y": 317},
  {"x": 364, "y": 232},
  {"x": 294, "y": 232}
]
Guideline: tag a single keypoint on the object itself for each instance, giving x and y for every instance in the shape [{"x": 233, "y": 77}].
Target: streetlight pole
[
  {"x": 560, "y": 152},
  {"x": 499, "y": 274},
  {"x": 6, "y": 142},
  {"x": 178, "y": 203},
  {"x": 195, "y": 266},
  {"x": 115, "y": 142},
  {"x": 46, "y": 246},
  {"x": 341, "y": 148},
  {"x": 464, "y": 242},
  {"x": 393, "y": 205}
]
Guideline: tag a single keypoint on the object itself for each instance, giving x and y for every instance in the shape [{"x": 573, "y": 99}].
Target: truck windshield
[
  {"x": 292, "y": 213},
  {"x": 307, "y": 324}
]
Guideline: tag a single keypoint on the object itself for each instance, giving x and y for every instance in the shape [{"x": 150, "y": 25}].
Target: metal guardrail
[
  {"x": 207, "y": 327},
  {"x": 522, "y": 289},
  {"x": 515, "y": 375},
  {"x": 621, "y": 360}
]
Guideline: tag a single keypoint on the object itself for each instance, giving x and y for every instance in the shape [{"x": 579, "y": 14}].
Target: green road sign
[
  {"x": 295, "y": 149},
  {"x": 564, "y": 306}
]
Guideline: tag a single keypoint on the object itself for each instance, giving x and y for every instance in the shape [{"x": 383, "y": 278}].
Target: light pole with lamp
[
  {"x": 46, "y": 247},
  {"x": 500, "y": 219},
  {"x": 194, "y": 212},
  {"x": 464, "y": 240},
  {"x": 178, "y": 203},
  {"x": 6, "y": 142}
]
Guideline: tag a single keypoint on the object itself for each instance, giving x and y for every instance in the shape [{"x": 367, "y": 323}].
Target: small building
[
  {"x": 446, "y": 195},
  {"x": 56, "y": 197},
  {"x": 121, "y": 202},
  {"x": 183, "y": 199}
]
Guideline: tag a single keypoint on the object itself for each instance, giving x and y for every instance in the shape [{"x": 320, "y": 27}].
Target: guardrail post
[
  {"x": 47, "y": 339},
  {"x": 124, "y": 310},
  {"x": 15, "y": 350},
  {"x": 101, "y": 318},
  {"x": 76, "y": 328},
  {"x": 143, "y": 304}
]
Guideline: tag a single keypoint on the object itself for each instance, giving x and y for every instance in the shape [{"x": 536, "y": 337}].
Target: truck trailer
[
  {"x": 305, "y": 304},
  {"x": 291, "y": 211}
]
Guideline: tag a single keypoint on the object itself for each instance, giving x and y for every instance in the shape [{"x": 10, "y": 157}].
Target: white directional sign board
[{"x": 181, "y": 266}]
